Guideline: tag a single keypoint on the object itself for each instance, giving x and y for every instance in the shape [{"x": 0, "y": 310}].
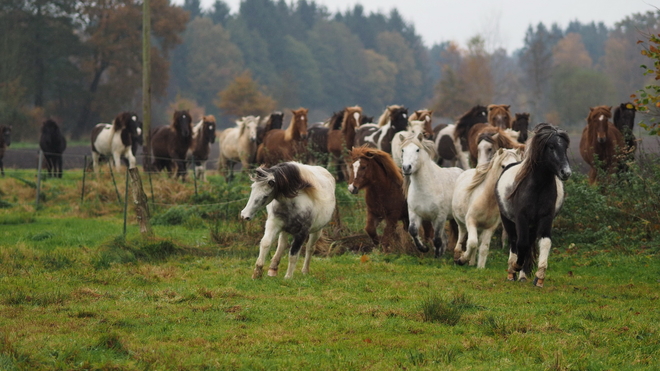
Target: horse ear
[
  {"x": 258, "y": 118},
  {"x": 402, "y": 137},
  {"x": 591, "y": 108},
  {"x": 500, "y": 151},
  {"x": 508, "y": 106}
]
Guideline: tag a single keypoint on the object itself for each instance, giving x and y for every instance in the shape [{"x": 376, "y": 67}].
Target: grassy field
[{"x": 78, "y": 295}]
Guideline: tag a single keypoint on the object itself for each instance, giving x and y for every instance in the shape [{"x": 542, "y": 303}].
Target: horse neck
[
  {"x": 349, "y": 135},
  {"x": 425, "y": 176},
  {"x": 292, "y": 132}
]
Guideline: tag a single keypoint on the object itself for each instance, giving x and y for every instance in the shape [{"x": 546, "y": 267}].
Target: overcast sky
[{"x": 502, "y": 22}]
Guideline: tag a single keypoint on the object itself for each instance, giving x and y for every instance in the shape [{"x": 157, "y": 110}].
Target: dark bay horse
[
  {"x": 5, "y": 141},
  {"x": 624, "y": 120},
  {"x": 340, "y": 142},
  {"x": 374, "y": 171},
  {"x": 530, "y": 194},
  {"x": 203, "y": 137},
  {"x": 317, "y": 137},
  {"x": 601, "y": 143},
  {"x": 285, "y": 145},
  {"x": 521, "y": 125},
  {"x": 170, "y": 144},
  {"x": 272, "y": 121},
  {"x": 52, "y": 144}
]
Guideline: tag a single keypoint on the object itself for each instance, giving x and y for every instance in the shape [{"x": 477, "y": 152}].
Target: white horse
[
  {"x": 475, "y": 207},
  {"x": 301, "y": 201},
  {"x": 415, "y": 128},
  {"x": 238, "y": 143},
  {"x": 429, "y": 189},
  {"x": 115, "y": 140}
]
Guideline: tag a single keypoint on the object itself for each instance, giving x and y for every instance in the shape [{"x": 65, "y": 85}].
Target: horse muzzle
[
  {"x": 353, "y": 189},
  {"x": 564, "y": 174},
  {"x": 406, "y": 169},
  {"x": 245, "y": 216}
]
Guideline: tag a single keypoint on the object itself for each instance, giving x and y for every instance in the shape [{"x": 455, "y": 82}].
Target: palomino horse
[
  {"x": 375, "y": 172},
  {"x": 393, "y": 120},
  {"x": 484, "y": 140},
  {"x": 116, "y": 140},
  {"x": 429, "y": 189},
  {"x": 5, "y": 141},
  {"x": 426, "y": 116},
  {"x": 285, "y": 145},
  {"x": 300, "y": 201},
  {"x": 521, "y": 125},
  {"x": 474, "y": 206},
  {"x": 340, "y": 142},
  {"x": 529, "y": 195},
  {"x": 601, "y": 140},
  {"x": 203, "y": 137},
  {"x": 500, "y": 116},
  {"x": 52, "y": 144},
  {"x": 170, "y": 144},
  {"x": 238, "y": 144},
  {"x": 451, "y": 142}
]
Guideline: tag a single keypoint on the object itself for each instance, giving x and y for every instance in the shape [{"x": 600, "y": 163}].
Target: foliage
[
  {"x": 648, "y": 100},
  {"x": 242, "y": 98}
]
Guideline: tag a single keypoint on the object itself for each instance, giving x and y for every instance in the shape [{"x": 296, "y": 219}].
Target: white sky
[{"x": 503, "y": 23}]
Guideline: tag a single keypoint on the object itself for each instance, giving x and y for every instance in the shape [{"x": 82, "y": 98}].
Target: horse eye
[{"x": 417, "y": 149}]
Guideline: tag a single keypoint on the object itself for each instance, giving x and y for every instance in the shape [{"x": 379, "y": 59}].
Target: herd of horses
[{"x": 484, "y": 170}]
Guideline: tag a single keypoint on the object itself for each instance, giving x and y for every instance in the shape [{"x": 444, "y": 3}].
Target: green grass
[{"x": 77, "y": 295}]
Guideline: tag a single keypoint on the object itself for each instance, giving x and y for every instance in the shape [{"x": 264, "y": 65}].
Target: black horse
[
  {"x": 521, "y": 125},
  {"x": 624, "y": 120},
  {"x": 530, "y": 193},
  {"x": 52, "y": 144},
  {"x": 170, "y": 144}
]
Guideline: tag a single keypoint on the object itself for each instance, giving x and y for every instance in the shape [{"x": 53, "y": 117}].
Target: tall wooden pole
[{"x": 146, "y": 84}]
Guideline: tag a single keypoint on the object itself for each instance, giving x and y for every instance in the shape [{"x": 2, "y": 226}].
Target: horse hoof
[
  {"x": 272, "y": 272},
  {"x": 538, "y": 282},
  {"x": 459, "y": 262},
  {"x": 511, "y": 277},
  {"x": 257, "y": 273},
  {"x": 423, "y": 248},
  {"x": 523, "y": 279}
]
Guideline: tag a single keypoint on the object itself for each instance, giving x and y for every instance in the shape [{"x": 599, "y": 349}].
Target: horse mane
[
  {"x": 121, "y": 121},
  {"x": 288, "y": 135},
  {"x": 179, "y": 115},
  {"x": 482, "y": 170},
  {"x": 475, "y": 115},
  {"x": 535, "y": 148},
  {"x": 271, "y": 120},
  {"x": 383, "y": 159},
  {"x": 597, "y": 111},
  {"x": 336, "y": 122},
  {"x": 287, "y": 179},
  {"x": 385, "y": 116},
  {"x": 348, "y": 113}
]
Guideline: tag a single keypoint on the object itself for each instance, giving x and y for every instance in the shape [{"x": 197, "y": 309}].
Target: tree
[
  {"x": 571, "y": 53},
  {"x": 409, "y": 84},
  {"x": 242, "y": 97},
  {"x": 219, "y": 13},
  {"x": 648, "y": 100},
  {"x": 302, "y": 78},
  {"x": 574, "y": 90},
  {"x": 380, "y": 81}
]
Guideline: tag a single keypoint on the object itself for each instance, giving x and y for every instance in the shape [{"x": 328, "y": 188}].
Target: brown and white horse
[
  {"x": 115, "y": 140},
  {"x": 499, "y": 116}
]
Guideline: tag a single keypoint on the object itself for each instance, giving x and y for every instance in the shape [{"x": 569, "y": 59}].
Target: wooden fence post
[{"x": 140, "y": 201}]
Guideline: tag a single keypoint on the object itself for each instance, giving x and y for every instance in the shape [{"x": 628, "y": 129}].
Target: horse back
[{"x": 101, "y": 138}]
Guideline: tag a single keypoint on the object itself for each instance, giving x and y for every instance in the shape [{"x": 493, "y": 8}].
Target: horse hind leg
[
  {"x": 544, "y": 251},
  {"x": 440, "y": 238},
  {"x": 413, "y": 230},
  {"x": 275, "y": 260},
  {"x": 309, "y": 251},
  {"x": 471, "y": 245},
  {"x": 296, "y": 245}
]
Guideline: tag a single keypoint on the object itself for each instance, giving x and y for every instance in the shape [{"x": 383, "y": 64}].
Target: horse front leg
[
  {"x": 510, "y": 227},
  {"x": 271, "y": 231},
  {"x": 413, "y": 230},
  {"x": 275, "y": 260},
  {"x": 371, "y": 228},
  {"x": 545, "y": 244},
  {"x": 297, "y": 243},
  {"x": 440, "y": 237},
  {"x": 458, "y": 249},
  {"x": 471, "y": 244}
]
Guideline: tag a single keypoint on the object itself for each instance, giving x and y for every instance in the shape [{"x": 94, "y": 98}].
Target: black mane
[
  {"x": 476, "y": 115},
  {"x": 287, "y": 180}
]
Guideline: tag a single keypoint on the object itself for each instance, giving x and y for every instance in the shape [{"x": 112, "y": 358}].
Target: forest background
[{"x": 79, "y": 62}]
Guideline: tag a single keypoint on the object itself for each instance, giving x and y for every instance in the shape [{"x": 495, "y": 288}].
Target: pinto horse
[
  {"x": 203, "y": 137},
  {"x": 300, "y": 200},
  {"x": 340, "y": 142},
  {"x": 116, "y": 140},
  {"x": 5, "y": 141},
  {"x": 170, "y": 144},
  {"x": 52, "y": 144},
  {"x": 474, "y": 206},
  {"x": 238, "y": 144},
  {"x": 285, "y": 145},
  {"x": 601, "y": 142},
  {"x": 429, "y": 189},
  {"x": 393, "y": 120},
  {"x": 451, "y": 143},
  {"x": 529, "y": 195},
  {"x": 376, "y": 173}
]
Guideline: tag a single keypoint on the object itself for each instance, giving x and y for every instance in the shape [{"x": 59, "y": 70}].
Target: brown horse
[
  {"x": 317, "y": 137},
  {"x": 285, "y": 145},
  {"x": 374, "y": 171},
  {"x": 500, "y": 116},
  {"x": 426, "y": 116},
  {"x": 340, "y": 142},
  {"x": 170, "y": 144},
  {"x": 203, "y": 137},
  {"x": 601, "y": 140},
  {"x": 484, "y": 140}
]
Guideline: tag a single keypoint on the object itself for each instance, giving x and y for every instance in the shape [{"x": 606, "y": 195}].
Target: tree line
[{"x": 79, "y": 61}]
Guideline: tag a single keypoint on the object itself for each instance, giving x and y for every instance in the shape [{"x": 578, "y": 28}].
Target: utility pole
[{"x": 146, "y": 84}]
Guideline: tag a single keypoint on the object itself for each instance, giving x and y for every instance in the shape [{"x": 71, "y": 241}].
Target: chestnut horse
[
  {"x": 285, "y": 145},
  {"x": 500, "y": 116},
  {"x": 484, "y": 140},
  {"x": 426, "y": 116},
  {"x": 340, "y": 142},
  {"x": 375, "y": 172},
  {"x": 601, "y": 142},
  {"x": 170, "y": 144}
]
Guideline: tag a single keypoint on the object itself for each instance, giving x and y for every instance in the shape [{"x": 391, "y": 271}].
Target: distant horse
[
  {"x": 170, "y": 144},
  {"x": 426, "y": 116},
  {"x": 116, "y": 140},
  {"x": 474, "y": 206},
  {"x": 285, "y": 145},
  {"x": 238, "y": 144},
  {"x": 601, "y": 139},
  {"x": 375, "y": 172},
  {"x": 624, "y": 120},
  {"x": 270, "y": 122},
  {"x": 317, "y": 137},
  {"x": 5, "y": 141},
  {"x": 393, "y": 120},
  {"x": 451, "y": 142},
  {"x": 340, "y": 142},
  {"x": 203, "y": 137},
  {"x": 52, "y": 144},
  {"x": 300, "y": 201},
  {"x": 414, "y": 129},
  {"x": 429, "y": 189},
  {"x": 500, "y": 116},
  {"x": 529, "y": 195},
  {"x": 366, "y": 120},
  {"x": 484, "y": 140},
  {"x": 521, "y": 125}
]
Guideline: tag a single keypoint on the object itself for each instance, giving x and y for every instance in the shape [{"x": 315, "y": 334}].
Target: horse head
[
  {"x": 426, "y": 116},
  {"x": 499, "y": 115},
  {"x": 209, "y": 128},
  {"x": 299, "y": 122},
  {"x": 399, "y": 119},
  {"x": 182, "y": 123},
  {"x": 262, "y": 193},
  {"x": 360, "y": 164},
  {"x": 276, "y": 120},
  {"x": 251, "y": 123},
  {"x": 598, "y": 119},
  {"x": 366, "y": 120},
  {"x": 624, "y": 116},
  {"x": 415, "y": 151},
  {"x": 521, "y": 125},
  {"x": 352, "y": 116},
  {"x": 548, "y": 147}
]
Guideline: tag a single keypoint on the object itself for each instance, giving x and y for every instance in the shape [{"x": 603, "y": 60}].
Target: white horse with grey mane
[{"x": 300, "y": 200}]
